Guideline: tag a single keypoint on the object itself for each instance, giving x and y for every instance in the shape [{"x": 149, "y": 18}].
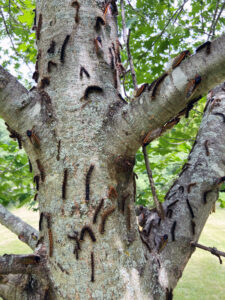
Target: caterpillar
[
  {"x": 58, "y": 150},
  {"x": 65, "y": 175},
  {"x": 50, "y": 237},
  {"x": 36, "y": 180},
  {"x": 157, "y": 83},
  {"x": 83, "y": 70},
  {"x": 172, "y": 204},
  {"x": 40, "y": 221},
  {"x": 91, "y": 89},
  {"x": 51, "y": 49},
  {"x": 50, "y": 65},
  {"x": 30, "y": 165},
  {"x": 173, "y": 230},
  {"x": 62, "y": 53},
  {"x": 41, "y": 169},
  {"x": 190, "y": 209},
  {"x": 105, "y": 215},
  {"x": 193, "y": 227},
  {"x": 92, "y": 267},
  {"x": 87, "y": 184},
  {"x": 99, "y": 207},
  {"x": 88, "y": 229},
  {"x": 190, "y": 186},
  {"x": 128, "y": 218},
  {"x": 38, "y": 32},
  {"x": 44, "y": 82},
  {"x": 221, "y": 115},
  {"x": 207, "y": 45}
]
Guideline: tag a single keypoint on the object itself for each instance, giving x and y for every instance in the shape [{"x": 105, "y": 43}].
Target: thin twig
[
  {"x": 214, "y": 28},
  {"x": 158, "y": 205},
  {"x": 213, "y": 20},
  {"x": 126, "y": 39},
  {"x": 212, "y": 250}
]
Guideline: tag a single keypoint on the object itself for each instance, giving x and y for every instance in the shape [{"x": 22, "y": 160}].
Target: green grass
[{"x": 203, "y": 278}]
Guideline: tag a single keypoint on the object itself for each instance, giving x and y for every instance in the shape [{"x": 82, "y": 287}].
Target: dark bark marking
[
  {"x": 14, "y": 135},
  {"x": 91, "y": 89},
  {"x": 193, "y": 227},
  {"x": 191, "y": 105},
  {"x": 221, "y": 115},
  {"x": 206, "y": 148},
  {"x": 190, "y": 186},
  {"x": 51, "y": 64},
  {"x": 172, "y": 203},
  {"x": 76, "y": 5},
  {"x": 44, "y": 82},
  {"x": 40, "y": 221}
]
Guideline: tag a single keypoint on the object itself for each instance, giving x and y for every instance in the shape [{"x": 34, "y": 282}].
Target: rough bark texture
[{"x": 81, "y": 138}]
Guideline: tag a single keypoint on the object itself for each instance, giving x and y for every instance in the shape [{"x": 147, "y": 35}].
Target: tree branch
[
  {"x": 25, "y": 232},
  {"x": 19, "y": 264},
  {"x": 191, "y": 197},
  {"x": 148, "y": 113},
  {"x": 212, "y": 250}
]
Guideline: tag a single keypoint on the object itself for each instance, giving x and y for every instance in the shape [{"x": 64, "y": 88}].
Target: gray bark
[{"x": 82, "y": 147}]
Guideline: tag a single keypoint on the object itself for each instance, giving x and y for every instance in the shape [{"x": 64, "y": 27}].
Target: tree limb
[
  {"x": 24, "y": 231},
  {"x": 191, "y": 197},
  {"x": 171, "y": 96},
  {"x": 19, "y": 264},
  {"x": 212, "y": 250}
]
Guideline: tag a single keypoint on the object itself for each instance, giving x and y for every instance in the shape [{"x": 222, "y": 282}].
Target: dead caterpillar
[
  {"x": 112, "y": 193},
  {"x": 179, "y": 58},
  {"x": 123, "y": 201},
  {"x": 14, "y": 135},
  {"x": 190, "y": 186},
  {"x": 30, "y": 165},
  {"x": 191, "y": 105},
  {"x": 190, "y": 209},
  {"x": 83, "y": 70},
  {"x": 37, "y": 180},
  {"x": 76, "y": 5},
  {"x": 65, "y": 175},
  {"x": 41, "y": 169},
  {"x": 92, "y": 267},
  {"x": 50, "y": 237},
  {"x": 169, "y": 213},
  {"x": 193, "y": 227},
  {"x": 62, "y": 53},
  {"x": 91, "y": 89},
  {"x": 51, "y": 49},
  {"x": 40, "y": 221},
  {"x": 87, "y": 184},
  {"x": 128, "y": 218},
  {"x": 50, "y": 65},
  {"x": 173, "y": 230},
  {"x": 205, "y": 196},
  {"x": 97, "y": 211},
  {"x": 221, "y": 115},
  {"x": 141, "y": 89},
  {"x": 88, "y": 229},
  {"x": 58, "y": 150},
  {"x": 99, "y": 22},
  {"x": 157, "y": 83},
  {"x": 207, "y": 45},
  {"x": 172, "y": 204},
  {"x": 112, "y": 64},
  {"x": 38, "y": 32},
  {"x": 105, "y": 215},
  {"x": 44, "y": 82}
]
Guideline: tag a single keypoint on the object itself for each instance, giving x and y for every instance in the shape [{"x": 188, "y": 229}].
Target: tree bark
[{"x": 81, "y": 138}]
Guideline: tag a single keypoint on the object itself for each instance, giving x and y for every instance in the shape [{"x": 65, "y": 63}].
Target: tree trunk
[{"x": 81, "y": 138}]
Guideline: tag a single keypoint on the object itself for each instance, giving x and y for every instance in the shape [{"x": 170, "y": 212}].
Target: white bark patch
[
  {"x": 163, "y": 277},
  {"x": 180, "y": 78}
]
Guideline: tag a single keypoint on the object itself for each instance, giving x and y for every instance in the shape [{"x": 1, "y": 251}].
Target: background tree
[{"x": 77, "y": 105}]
